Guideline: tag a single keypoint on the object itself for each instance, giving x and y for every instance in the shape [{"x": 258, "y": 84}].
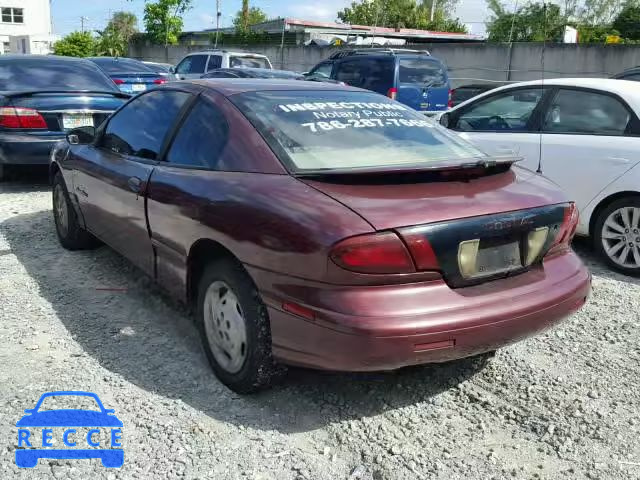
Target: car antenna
[{"x": 544, "y": 45}]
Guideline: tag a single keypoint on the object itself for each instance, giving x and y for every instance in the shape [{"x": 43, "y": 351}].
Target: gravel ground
[{"x": 563, "y": 405}]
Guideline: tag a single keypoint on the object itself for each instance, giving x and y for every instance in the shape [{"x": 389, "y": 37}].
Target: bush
[{"x": 76, "y": 44}]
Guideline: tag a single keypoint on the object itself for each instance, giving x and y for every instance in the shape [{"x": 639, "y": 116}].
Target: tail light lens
[
  {"x": 17, "y": 117},
  {"x": 375, "y": 253},
  {"x": 392, "y": 93},
  {"x": 421, "y": 250},
  {"x": 160, "y": 81},
  {"x": 567, "y": 229},
  {"x": 118, "y": 81},
  {"x": 450, "y": 101}
]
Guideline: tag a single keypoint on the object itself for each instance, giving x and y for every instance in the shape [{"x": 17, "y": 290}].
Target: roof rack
[{"x": 376, "y": 51}]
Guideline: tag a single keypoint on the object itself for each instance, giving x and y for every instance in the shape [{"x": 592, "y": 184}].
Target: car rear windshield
[
  {"x": 122, "y": 65},
  {"x": 334, "y": 130},
  {"x": 249, "y": 62},
  {"x": 45, "y": 74},
  {"x": 423, "y": 71}
]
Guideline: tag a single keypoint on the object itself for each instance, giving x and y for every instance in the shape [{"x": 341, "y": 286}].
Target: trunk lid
[
  {"x": 478, "y": 230},
  {"x": 393, "y": 205},
  {"x": 64, "y": 110}
]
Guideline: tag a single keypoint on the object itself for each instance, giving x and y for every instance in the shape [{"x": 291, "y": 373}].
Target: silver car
[{"x": 197, "y": 64}]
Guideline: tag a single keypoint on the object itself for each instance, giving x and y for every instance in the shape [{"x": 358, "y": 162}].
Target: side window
[
  {"x": 184, "y": 66},
  {"x": 503, "y": 112},
  {"x": 215, "y": 61},
  {"x": 323, "y": 70},
  {"x": 201, "y": 138},
  {"x": 352, "y": 72},
  {"x": 579, "y": 111},
  {"x": 140, "y": 127},
  {"x": 192, "y": 64},
  {"x": 379, "y": 76}
]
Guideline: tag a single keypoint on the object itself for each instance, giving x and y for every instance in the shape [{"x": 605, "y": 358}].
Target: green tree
[
  {"x": 599, "y": 12},
  {"x": 163, "y": 20},
  {"x": 114, "y": 39},
  {"x": 534, "y": 22},
  {"x": 253, "y": 15},
  {"x": 76, "y": 44},
  {"x": 628, "y": 22},
  {"x": 402, "y": 14}
]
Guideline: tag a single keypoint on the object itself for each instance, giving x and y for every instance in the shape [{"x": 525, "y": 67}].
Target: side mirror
[
  {"x": 81, "y": 135},
  {"x": 444, "y": 120},
  {"x": 172, "y": 69}
]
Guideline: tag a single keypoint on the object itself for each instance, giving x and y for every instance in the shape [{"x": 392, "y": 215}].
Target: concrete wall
[{"x": 467, "y": 63}]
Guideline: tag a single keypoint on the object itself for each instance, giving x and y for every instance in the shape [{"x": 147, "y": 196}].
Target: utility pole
[
  {"x": 218, "y": 14},
  {"x": 82, "y": 20}
]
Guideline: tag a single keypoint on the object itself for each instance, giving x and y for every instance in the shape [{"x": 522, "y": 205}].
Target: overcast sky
[{"x": 67, "y": 13}]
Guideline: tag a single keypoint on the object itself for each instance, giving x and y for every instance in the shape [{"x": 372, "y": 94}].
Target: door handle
[{"x": 135, "y": 184}]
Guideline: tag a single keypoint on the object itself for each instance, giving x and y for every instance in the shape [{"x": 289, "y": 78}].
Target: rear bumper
[
  {"x": 27, "y": 149},
  {"x": 388, "y": 327}
]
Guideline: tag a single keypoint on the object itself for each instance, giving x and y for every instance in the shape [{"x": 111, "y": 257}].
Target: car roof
[
  {"x": 624, "y": 88},
  {"x": 232, "y": 52},
  {"x": 30, "y": 58},
  {"x": 231, "y": 86}
]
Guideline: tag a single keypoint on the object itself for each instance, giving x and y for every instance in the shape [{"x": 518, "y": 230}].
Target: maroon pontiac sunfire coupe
[{"x": 318, "y": 225}]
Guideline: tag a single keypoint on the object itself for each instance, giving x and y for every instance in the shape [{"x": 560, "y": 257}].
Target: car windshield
[
  {"x": 122, "y": 65},
  {"x": 249, "y": 62},
  {"x": 26, "y": 74},
  {"x": 334, "y": 130},
  {"x": 423, "y": 71},
  {"x": 69, "y": 402}
]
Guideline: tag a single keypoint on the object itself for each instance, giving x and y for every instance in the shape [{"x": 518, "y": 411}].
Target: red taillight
[
  {"x": 18, "y": 117},
  {"x": 421, "y": 250},
  {"x": 392, "y": 93},
  {"x": 375, "y": 253},
  {"x": 450, "y": 101},
  {"x": 567, "y": 229},
  {"x": 118, "y": 81},
  {"x": 160, "y": 81}
]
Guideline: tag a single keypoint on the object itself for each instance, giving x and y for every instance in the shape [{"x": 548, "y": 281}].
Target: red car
[{"x": 318, "y": 225}]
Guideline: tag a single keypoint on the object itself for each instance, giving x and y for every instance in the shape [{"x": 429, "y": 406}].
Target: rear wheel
[
  {"x": 234, "y": 327},
  {"x": 71, "y": 235},
  {"x": 617, "y": 235}
]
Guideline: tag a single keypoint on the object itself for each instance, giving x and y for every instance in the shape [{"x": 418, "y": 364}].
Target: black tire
[
  {"x": 259, "y": 369},
  {"x": 598, "y": 233},
  {"x": 73, "y": 237}
]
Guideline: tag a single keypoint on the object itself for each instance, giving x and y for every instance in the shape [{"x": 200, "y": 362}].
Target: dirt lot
[{"x": 563, "y": 405}]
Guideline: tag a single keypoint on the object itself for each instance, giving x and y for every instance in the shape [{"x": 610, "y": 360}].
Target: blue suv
[{"x": 412, "y": 77}]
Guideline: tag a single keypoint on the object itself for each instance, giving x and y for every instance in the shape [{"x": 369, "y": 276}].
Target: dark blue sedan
[
  {"x": 41, "y": 97},
  {"x": 131, "y": 76}
]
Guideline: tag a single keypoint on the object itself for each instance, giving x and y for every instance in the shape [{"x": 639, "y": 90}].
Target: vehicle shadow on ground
[
  {"x": 25, "y": 180},
  {"x": 123, "y": 320},
  {"x": 584, "y": 247}
]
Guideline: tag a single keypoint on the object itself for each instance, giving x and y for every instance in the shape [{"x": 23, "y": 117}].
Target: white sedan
[{"x": 584, "y": 134}]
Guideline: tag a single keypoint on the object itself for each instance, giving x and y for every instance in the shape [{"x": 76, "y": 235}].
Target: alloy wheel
[
  {"x": 621, "y": 237},
  {"x": 60, "y": 206},
  {"x": 225, "y": 326}
]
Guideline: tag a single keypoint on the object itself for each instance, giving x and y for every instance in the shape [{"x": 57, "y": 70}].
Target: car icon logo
[{"x": 73, "y": 423}]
